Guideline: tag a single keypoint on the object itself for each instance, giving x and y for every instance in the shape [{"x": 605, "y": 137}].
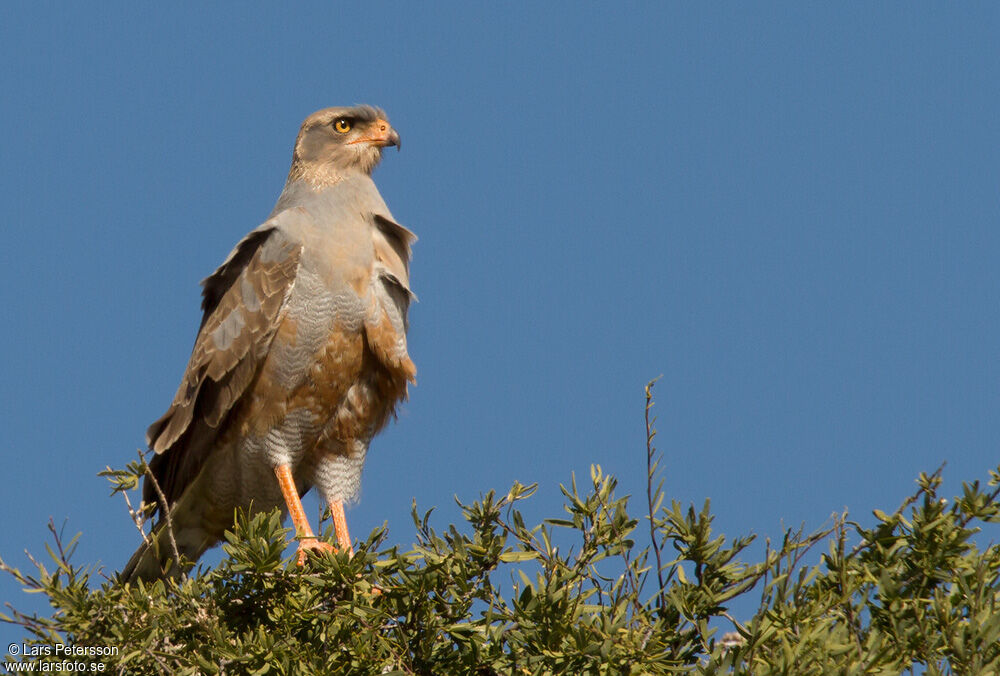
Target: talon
[{"x": 307, "y": 545}]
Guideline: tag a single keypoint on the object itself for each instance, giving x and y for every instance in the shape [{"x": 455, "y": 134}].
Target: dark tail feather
[{"x": 154, "y": 560}]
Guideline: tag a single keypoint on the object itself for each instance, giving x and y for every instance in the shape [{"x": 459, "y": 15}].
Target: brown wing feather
[
  {"x": 242, "y": 301},
  {"x": 392, "y": 249},
  {"x": 387, "y": 338}
]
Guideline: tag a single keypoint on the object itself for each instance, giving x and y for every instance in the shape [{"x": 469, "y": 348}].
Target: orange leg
[
  {"x": 340, "y": 526},
  {"x": 343, "y": 537},
  {"x": 304, "y": 532}
]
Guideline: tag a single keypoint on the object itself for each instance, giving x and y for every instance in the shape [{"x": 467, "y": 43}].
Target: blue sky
[{"x": 789, "y": 211}]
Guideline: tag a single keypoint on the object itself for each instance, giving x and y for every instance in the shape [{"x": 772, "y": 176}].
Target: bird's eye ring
[{"x": 342, "y": 125}]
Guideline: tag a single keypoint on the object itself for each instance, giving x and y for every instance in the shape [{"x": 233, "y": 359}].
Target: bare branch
[
  {"x": 651, "y": 464},
  {"x": 164, "y": 509}
]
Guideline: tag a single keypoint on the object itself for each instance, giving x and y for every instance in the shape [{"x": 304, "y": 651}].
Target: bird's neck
[
  {"x": 303, "y": 190},
  {"x": 318, "y": 175}
]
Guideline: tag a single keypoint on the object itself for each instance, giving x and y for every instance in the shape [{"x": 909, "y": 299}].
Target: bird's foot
[{"x": 316, "y": 545}]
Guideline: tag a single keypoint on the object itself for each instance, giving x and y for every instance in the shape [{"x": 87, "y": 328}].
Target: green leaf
[{"x": 515, "y": 556}]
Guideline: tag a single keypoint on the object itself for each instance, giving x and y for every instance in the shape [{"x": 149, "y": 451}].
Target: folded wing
[{"x": 243, "y": 302}]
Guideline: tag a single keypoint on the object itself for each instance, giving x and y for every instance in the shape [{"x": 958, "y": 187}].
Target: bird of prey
[{"x": 300, "y": 359}]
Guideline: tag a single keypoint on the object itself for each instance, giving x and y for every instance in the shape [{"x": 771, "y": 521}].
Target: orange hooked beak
[{"x": 381, "y": 135}]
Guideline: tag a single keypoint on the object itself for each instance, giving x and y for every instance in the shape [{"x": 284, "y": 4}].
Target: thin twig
[
  {"x": 626, "y": 559},
  {"x": 848, "y": 610},
  {"x": 57, "y": 536},
  {"x": 137, "y": 517},
  {"x": 650, "y": 464},
  {"x": 164, "y": 509}
]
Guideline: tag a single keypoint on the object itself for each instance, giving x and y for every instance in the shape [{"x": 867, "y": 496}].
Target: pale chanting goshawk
[{"x": 300, "y": 359}]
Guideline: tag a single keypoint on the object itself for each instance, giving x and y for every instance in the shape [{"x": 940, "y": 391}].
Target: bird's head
[{"x": 335, "y": 141}]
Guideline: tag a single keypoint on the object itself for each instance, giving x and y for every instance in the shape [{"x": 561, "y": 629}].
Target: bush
[{"x": 913, "y": 592}]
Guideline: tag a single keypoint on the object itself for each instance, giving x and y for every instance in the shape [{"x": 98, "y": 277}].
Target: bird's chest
[
  {"x": 336, "y": 368},
  {"x": 331, "y": 380}
]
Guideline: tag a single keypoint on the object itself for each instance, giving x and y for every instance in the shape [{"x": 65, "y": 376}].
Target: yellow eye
[{"x": 342, "y": 126}]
